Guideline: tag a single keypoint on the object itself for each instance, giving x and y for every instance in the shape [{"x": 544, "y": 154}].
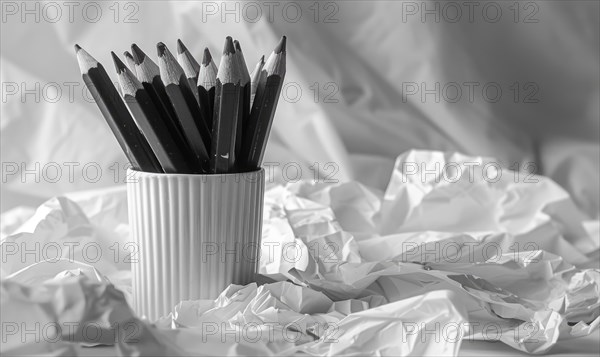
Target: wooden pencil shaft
[
  {"x": 244, "y": 111},
  {"x": 184, "y": 104},
  {"x": 192, "y": 81},
  {"x": 207, "y": 100},
  {"x": 173, "y": 75},
  {"x": 264, "y": 107},
  {"x": 159, "y": 97},
  {"x": 246, "y": 97},
  {"x": 243, "y": 115},
  {"x": 190, "y": 67},
  {"x": 148, "y": 73},
  {"x": 188, "y": 124},
  {"x": 174, "y": 129},
  {"x": 225, "y": 119},
  {"x": 256, "y": 77},
  {"x": 150, "y": 121},
  {"x": 132, "y": 142},
  {"x": 207, "y": 78},
  {"x": 157, "y": 86},
  {"x": 191, "y": 98},
  {"x": 259, "y": 127}
]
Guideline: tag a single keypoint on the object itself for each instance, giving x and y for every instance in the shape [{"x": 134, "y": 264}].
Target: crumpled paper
[{"x": 455, "y": 249}]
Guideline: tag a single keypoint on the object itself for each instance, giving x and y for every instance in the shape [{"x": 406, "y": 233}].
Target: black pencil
[
  {"x": 244, "y": 110},
  {"x": 130, "y": 61},
  {"x": 255, "y": 77},
  {"x": 207, "y": 79},
  {"x": 225, "y": 116},
  {"x": 190, "y": 66},
  {"x": 129, "y": 136},
  {"x": 263, "y": 109},
  {"x": 148, "y": 74},
  {"x": 184, "y": 104},
  {"x": 150, "y": 120}
]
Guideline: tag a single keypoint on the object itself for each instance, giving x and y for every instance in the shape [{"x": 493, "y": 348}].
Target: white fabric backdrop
[{"x": 373, "y": 51}]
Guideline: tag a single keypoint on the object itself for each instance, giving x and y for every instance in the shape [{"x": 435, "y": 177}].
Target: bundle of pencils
[{"x": 181, "y": 116}]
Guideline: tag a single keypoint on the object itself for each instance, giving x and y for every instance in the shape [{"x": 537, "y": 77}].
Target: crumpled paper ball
[{"x": 456, "y": 248}]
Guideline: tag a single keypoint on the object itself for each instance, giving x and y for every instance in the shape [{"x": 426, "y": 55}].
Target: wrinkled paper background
[{"x": 465, "y": 252}]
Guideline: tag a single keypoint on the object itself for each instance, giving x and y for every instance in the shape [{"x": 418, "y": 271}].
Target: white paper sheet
[{"x": 416, "y": 270}]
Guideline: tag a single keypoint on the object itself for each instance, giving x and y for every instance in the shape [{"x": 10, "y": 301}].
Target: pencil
[
  {"x": 128, "y": 135},
  {"x": 225, "y": 116},
  {"x": 207, "y": 79},
  {"x": 244, "y": 110},
  {"x": 148, "y": 74},
  {"x": 190, "y": 66},
  {"x": 149, "y": 119},
  {"x": 130, "y": 61},
  {"x": 263, "y": 109},
  {"x": 184, "y": 104},
  {"x": 255, "y": 77}
]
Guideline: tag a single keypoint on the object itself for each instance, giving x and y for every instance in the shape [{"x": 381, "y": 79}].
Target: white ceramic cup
[{"x": 194, "y": 235}]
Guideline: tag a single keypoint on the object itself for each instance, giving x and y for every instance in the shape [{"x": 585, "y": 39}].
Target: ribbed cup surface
[{"x": 194, "y": 235}]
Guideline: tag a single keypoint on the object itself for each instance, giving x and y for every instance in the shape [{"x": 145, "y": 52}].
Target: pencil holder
[{"x": 194, "y": 235}]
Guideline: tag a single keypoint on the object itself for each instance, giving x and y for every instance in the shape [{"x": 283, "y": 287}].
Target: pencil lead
[
  {"x": 236, "y": 44},
  {"x": 119, "y": 65},
  {"x": 77, "y": 48},
  {"x": 207, "y": 57},
  {"x": 161, "y": 48},
  {"x": 138, "y": 54},
  {"x": 280, "y": 46},
  {"x": 228, "y": 48},
  {"x": 180, "y": 47},
  {"x": 262, "y": 59},
  {"x": 128, "y": 55}
]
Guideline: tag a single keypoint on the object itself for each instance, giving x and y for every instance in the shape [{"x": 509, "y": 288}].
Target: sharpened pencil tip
[
  {"x": 228, "y": 48},
  {"x": 262, "y": 59},
  {"x": 119, "y": 65},
  {"x": 161, "y": 48},
  {"x": 85, "y": 60},
  {"x": 77, "y": 48},
  {"x": 138, "y": 54},
  {"x": 180, "y": 47},
  {"x": 207, "y": 57},
  {"x": 128, "y": 55},
  {"x": 281, "y": 45}
]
